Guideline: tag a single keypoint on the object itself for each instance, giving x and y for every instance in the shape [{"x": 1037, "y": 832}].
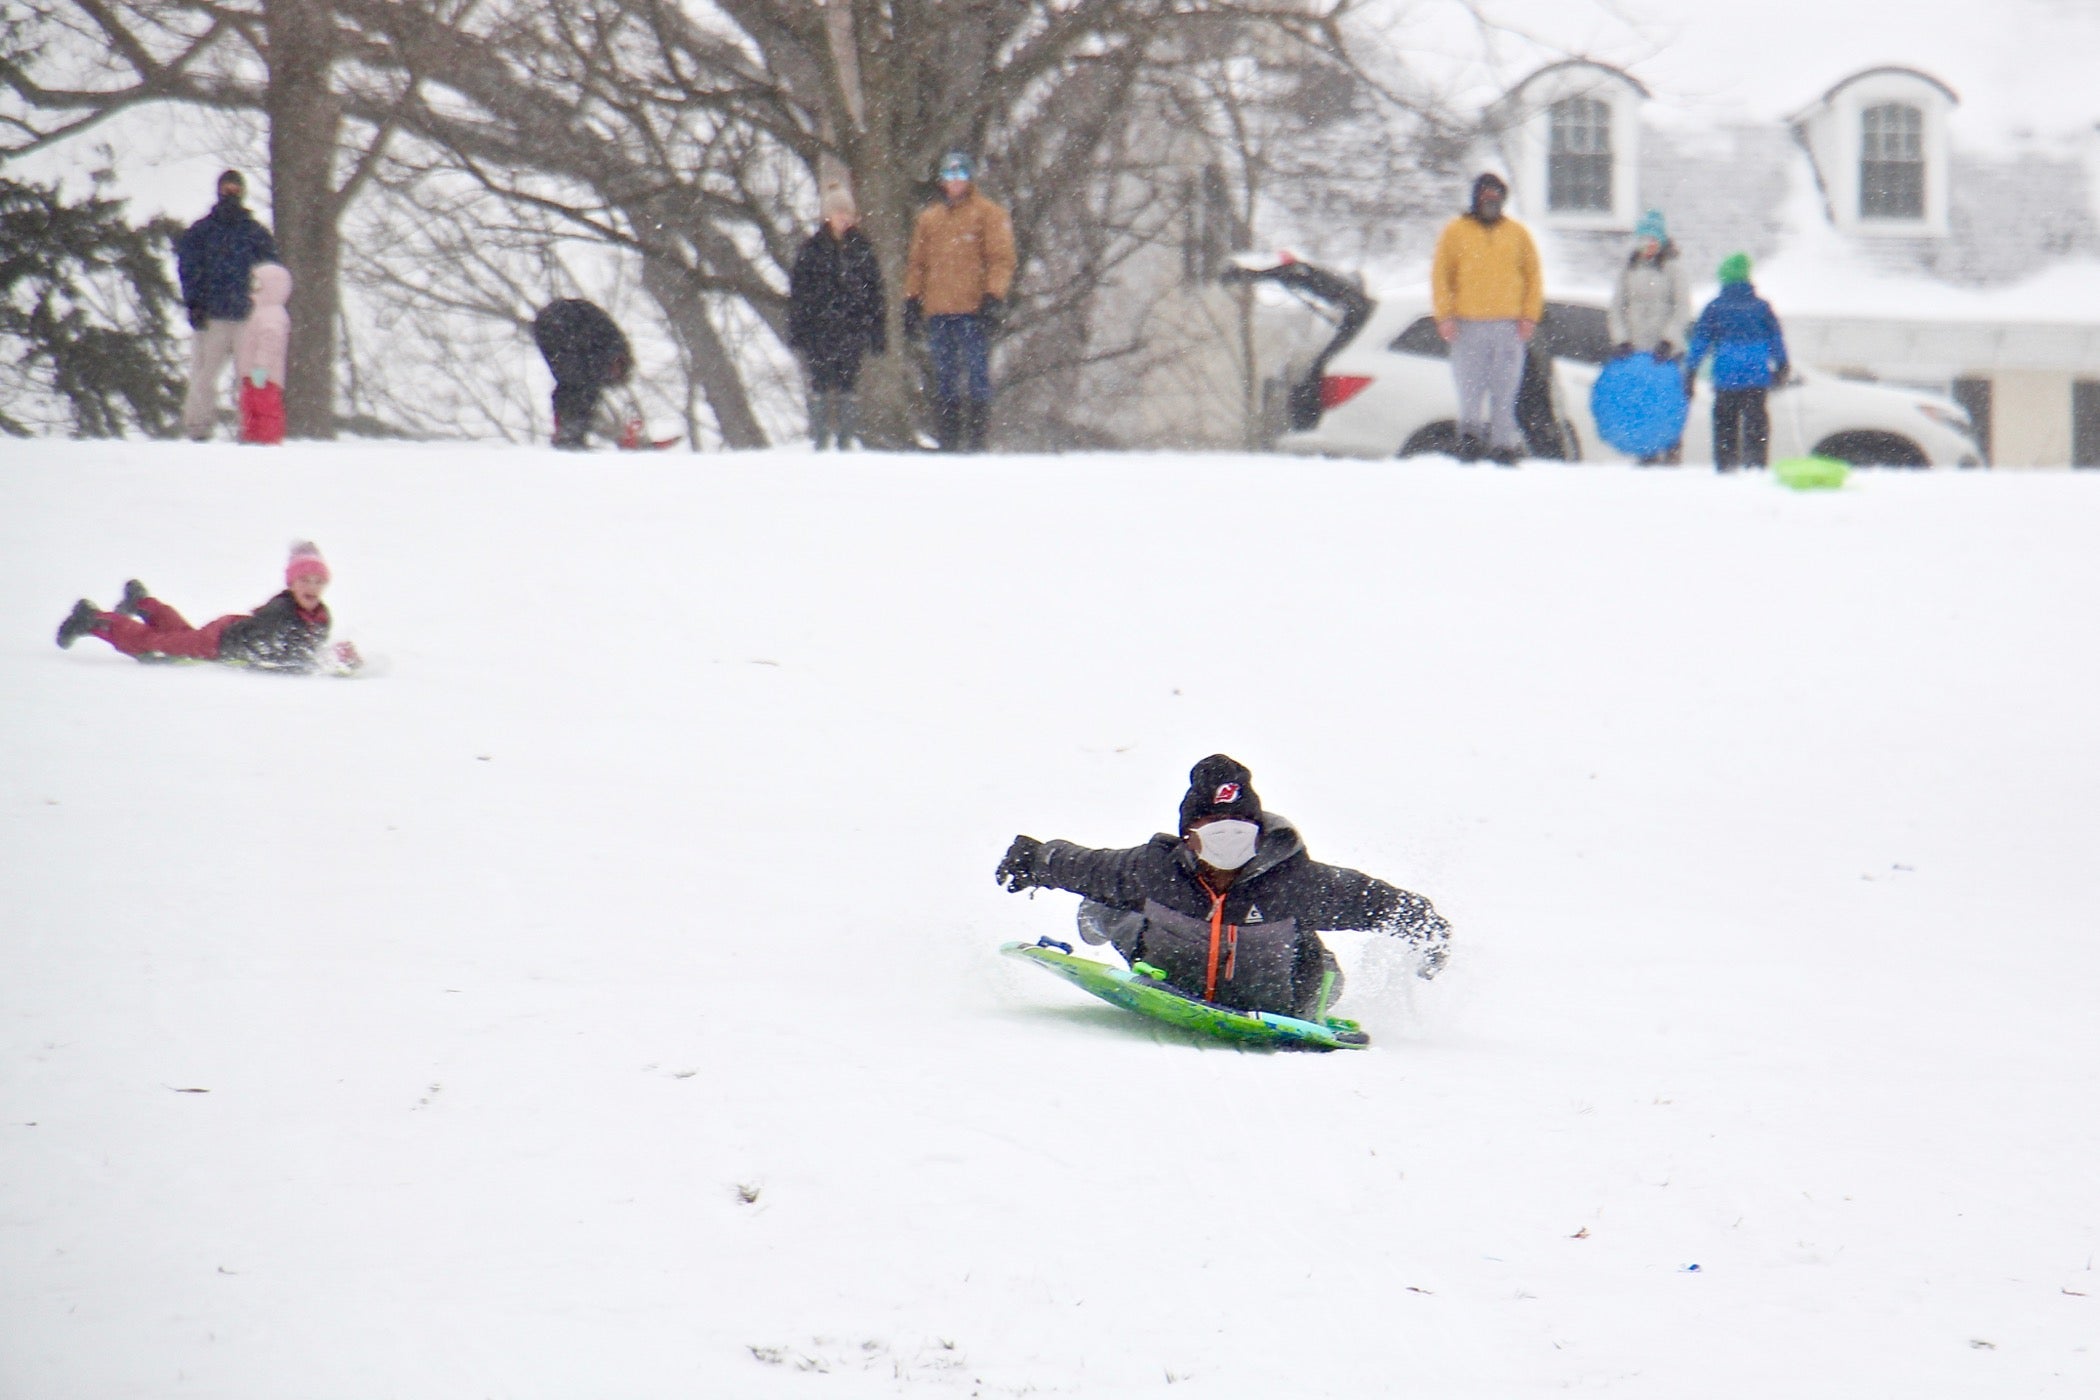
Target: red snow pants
[
  {"x": 164, "y": 632},
  {"x": 262, "y": 413}
]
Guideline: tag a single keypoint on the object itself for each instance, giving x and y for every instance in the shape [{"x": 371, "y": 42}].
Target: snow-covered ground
[{"x": 602, "y": 999}]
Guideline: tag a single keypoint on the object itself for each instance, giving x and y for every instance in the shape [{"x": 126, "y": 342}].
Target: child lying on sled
[
  {"x": 288, "y": 633},
  {"x": 1231, "y": 910}
]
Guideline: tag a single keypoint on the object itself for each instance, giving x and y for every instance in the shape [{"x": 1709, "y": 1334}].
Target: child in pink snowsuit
[
  {"x": 288, "y": 633},
  {"x": 259, "y": 354}
]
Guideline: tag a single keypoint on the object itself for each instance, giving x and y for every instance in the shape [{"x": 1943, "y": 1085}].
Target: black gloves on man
[
  {"x": 914, "y": 320},
  {"x": 992, "y": 312},
  {"x": 1017, "y": 867}
]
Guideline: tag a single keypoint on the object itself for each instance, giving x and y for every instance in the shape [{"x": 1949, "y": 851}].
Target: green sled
[
  {"x": 1134, "y": 990},
  {"x": 1811, "y": 473}
]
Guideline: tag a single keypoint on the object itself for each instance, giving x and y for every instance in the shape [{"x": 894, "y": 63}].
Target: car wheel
[
  {"x": 1437, "y": 437},
  {"x": 1872, "y": 450}
]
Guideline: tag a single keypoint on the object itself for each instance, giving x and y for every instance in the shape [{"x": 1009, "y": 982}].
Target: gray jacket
[{"x": 1651, "y": 303}]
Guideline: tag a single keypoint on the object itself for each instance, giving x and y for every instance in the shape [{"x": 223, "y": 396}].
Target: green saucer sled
[
  {"x": 1811, "y": 473},
  {"x": 1140, "y": 989}
]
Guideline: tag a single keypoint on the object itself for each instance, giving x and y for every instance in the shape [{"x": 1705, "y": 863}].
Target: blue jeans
[{"x": 960, "y": 346}]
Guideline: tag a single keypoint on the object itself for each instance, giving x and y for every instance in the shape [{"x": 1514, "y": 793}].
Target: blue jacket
[
  {"x": 213, "y": 258},
  {"x": 1739, "y": 327}
]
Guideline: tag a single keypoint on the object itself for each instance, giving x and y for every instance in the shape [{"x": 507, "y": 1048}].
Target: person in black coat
[
  {"x": 587, "y": 354},
  {"x": 213, "y": 258},
  {"x": 1232, "y": 908},
  {"x": 835, "y": 316}
]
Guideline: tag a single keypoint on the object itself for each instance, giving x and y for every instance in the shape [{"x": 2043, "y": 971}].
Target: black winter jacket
[
  {"x": 214, "y": 256},
  {"x": 1268, "y": 924},
  {"x": 835, "y": 298},
  {"x": 276, "y": 636},
  {"x": 582, "y": 345}
]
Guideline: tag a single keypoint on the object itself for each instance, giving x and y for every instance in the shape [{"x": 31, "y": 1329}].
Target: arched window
[
  {"x": 1578, "y": 155},
  {"x": 1892, "y": 162}
]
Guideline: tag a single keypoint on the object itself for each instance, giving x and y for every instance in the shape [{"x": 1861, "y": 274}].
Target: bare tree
[
  {"x": 695, "y": 136},
  {"x": 286, "y": 62}
]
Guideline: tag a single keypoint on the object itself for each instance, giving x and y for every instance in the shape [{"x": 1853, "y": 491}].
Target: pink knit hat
[{"x": 306, "y": 562}]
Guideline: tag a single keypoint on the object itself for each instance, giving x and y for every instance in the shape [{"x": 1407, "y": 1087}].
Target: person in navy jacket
[
  {"x": 213, "y": 258},
  {"x": 1741, "y": 331}
]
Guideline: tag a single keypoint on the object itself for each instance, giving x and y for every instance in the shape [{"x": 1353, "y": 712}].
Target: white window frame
[
  {"x": 1591, "y": 117},
  {"x": 1910, "y": 130},
  {"x": 1525, "y": 121},
  {"x": 1835, "y": 133}
]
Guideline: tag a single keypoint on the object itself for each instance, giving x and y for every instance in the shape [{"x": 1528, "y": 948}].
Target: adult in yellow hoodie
[
  {"x": 1488, "y": 299},
  {"x": 956, "y": 278}
]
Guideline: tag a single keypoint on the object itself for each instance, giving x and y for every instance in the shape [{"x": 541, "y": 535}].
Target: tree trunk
[
  {"x": 707, "y": 358},
  {"x": 306, "y": 121}
]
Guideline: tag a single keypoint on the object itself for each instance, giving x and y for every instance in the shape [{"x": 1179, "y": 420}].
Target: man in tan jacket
[
  {"x": 956, "y": 278},
  {"x": 1489, "y": 297}
]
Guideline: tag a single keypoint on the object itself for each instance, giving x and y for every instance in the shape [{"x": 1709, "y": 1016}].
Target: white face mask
[{"x": 1226, "y": 845}]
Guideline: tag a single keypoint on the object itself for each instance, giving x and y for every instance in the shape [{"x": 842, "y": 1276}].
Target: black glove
[
  {"x": 198, "y": 320},
  {"x": 914, "y": 320},
  {"x": 993, "y": 312},
  {"x": 1622, "y": 350},
  {"x": 1780, "y": 376},
  {"x": 1017, "y": 867},
  {"x": 1665, "y": 351}
]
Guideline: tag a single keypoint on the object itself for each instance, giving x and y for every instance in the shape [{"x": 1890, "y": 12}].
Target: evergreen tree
[{"x": 85, "y": 300}]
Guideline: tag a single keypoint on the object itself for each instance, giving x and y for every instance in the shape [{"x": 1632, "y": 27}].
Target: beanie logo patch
[{"x": 1228, "y": 793}]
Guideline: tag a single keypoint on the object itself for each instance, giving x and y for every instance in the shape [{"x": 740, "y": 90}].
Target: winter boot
[
  {"x": 1506, "y": 456},
  {"x": 948, "y": 425},
  {"x": 572, "y": 434},
  {"x": 135, "y": 593},
  {"x": 81, "y": 622},
  {"x": 1470, "y": 449},
  {"x": 975, "y": 411},
  {"x": 846, "y": 417},
  {"x": 1121, "y": 929}
]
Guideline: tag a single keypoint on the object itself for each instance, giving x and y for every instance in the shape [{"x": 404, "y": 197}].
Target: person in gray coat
[{"x": 1651, "y": 306}]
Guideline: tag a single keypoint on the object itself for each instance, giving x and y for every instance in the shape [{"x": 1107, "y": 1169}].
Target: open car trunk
[{"x": 1351, "y": 307}]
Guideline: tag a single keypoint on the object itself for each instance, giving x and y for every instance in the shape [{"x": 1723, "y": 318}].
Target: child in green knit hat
[{"x": 1750, "y": 357}]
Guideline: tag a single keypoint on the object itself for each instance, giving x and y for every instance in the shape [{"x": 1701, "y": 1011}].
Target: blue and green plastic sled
[{"x": 1141, "y": 989}]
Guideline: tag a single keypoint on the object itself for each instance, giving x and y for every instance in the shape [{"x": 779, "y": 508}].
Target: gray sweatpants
[
  {"x": 211, "y": 350},
  {"x": 1487, "y": 361}
]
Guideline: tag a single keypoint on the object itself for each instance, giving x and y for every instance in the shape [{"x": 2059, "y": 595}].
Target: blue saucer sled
[
  {"x": 1639, "y": 404},
  {"x": 1141, "y": 989}
]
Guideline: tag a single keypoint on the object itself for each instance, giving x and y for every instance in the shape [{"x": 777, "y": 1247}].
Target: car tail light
[{"x": 1338, "y": 389}]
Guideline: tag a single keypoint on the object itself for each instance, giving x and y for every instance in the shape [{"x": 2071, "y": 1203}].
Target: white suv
[{"x": 1382, "y": 388}]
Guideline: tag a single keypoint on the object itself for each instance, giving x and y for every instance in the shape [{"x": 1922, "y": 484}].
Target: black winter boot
[
  {"x": 845, "y": 409},
  {"x": 135, "y": 593},
  {"x": 975, "y": 411},
  {"x": 80, "y": 622},
  {"x": 1470, "y": 449}
]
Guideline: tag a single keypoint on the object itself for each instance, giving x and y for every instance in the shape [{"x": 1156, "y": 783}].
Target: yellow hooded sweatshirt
[{"x": 1487, "y": 272}]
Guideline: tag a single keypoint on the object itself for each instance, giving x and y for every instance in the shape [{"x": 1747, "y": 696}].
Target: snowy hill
[{"x": 602, "y": 1000}]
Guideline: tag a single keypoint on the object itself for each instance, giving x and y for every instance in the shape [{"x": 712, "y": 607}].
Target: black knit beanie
[{"x": 1219, "y": 787}]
